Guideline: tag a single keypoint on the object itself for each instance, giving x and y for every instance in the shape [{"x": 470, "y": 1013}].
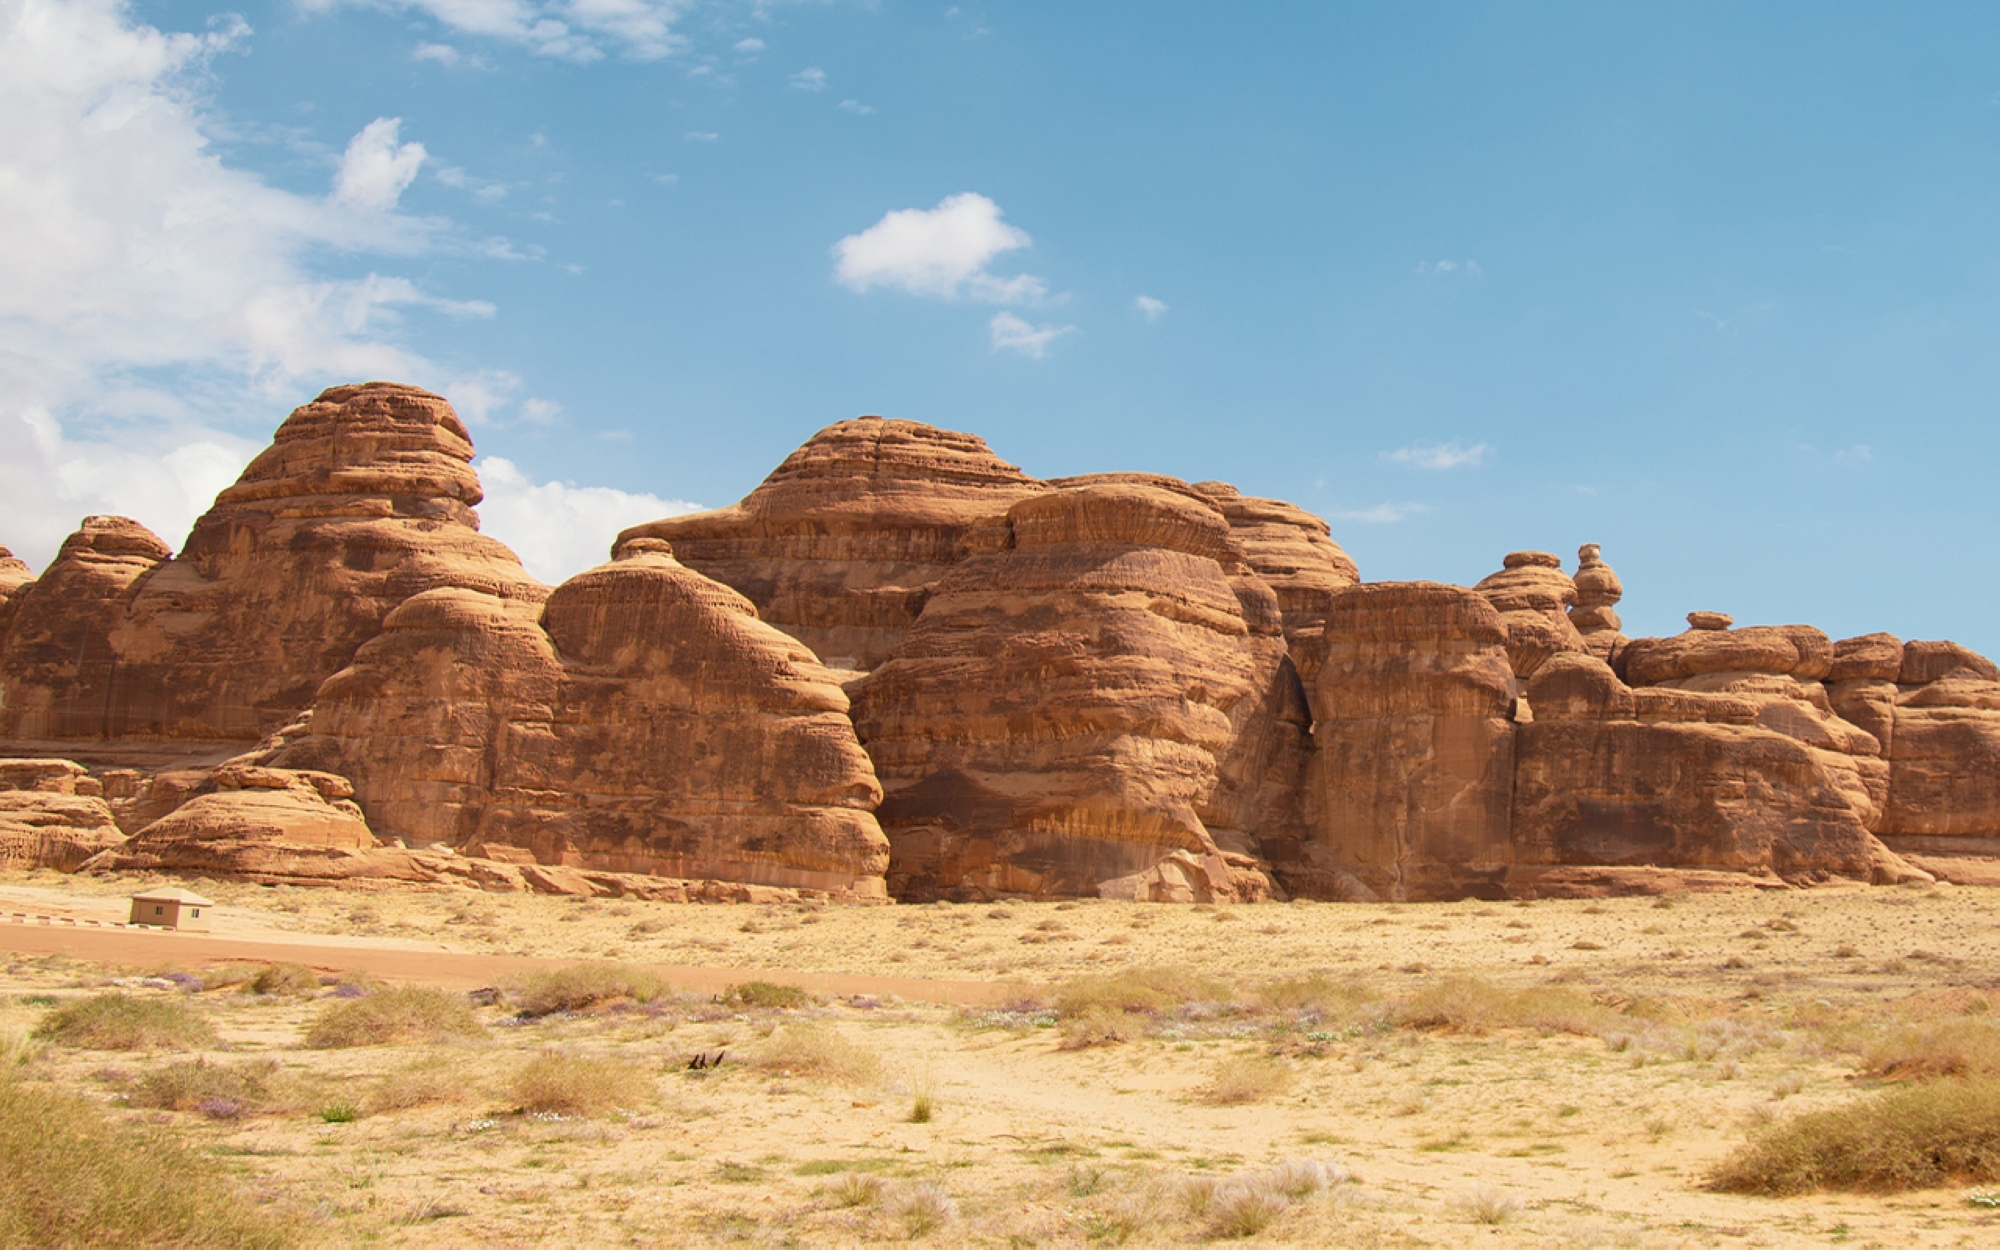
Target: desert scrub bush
[
  {"x": 856, "y": 1190},
  {"x": 221, "y": 1091},
  {"x": 1957, "y": 1046},
  {"x": 1347, "y": 1004},
  {"x": 562, "y": 1082},
  {"x": 409, "y": 1014},
  {"x": 69, "y": 1178},
  {"x": 1917, "y": 1137},
  {"x": 1469, "y": 1005},
  {"x": 122, "y": 1022},
  {"x": 430, "y": 1081},
  {"x": 583, "y": 986},
  {"x": 1099, "y": 1026},
  {"x": 767, "y": 994},
  {"x": 817, "y": 1050},
  {"x": 1251, "y": 1078},
  {"x": 285, "y": 981},
  {"x": 1136, "y": 991},
  {"x": 1245, "y": 1207},
  {"x": 1486, "y": 1205},
  {"x": 922, "y": 1207}
]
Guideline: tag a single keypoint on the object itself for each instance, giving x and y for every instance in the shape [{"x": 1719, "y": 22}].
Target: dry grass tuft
[
  {"x": 1486, "y": 1205},
  {"x": 856, "y": 1190},
  {"x": 585, "y": 986},
  {"x": 560, "y": 1082},
  {"x": 818, "y": 1050},
  {"x": 121, "y": 1022},
  {"x": 285, "y": 981},
  {"x": 1234, "y": 1082},
  {"x": 769, "y": 995},
  {"x": 1961, "y": 1046},
  {"x": 219, "y": 1091},
  {"x": 68, "y": 1178},
  {"x": 1918, "y": 1137},
  {"x": 1469, "y": 1005},
  {"x": 1099, "y": 1026},
  {"x": 1136, "y": 991},
  {"x": 922, "y": 1207},
  {"x": 431, "y": 1081},
  {"x": 391, "y": 1016}
]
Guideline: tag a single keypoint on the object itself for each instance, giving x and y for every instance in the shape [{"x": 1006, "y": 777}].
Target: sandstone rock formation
[
  {"x": 1595, "y": 614},
  {"x": 14, "y": 575},
  {"x": 364, "y": 498},
  {"x": 643, "y": 721},
  {"x": 1533, "y": 596},
  {"x": 52, "y": 815},
  {"x": 841, "y": 544},
  {"x": 1410, "y": 784},
  {"x": 1291, "y": 550},
  {"x": 1077, "y": 703}
]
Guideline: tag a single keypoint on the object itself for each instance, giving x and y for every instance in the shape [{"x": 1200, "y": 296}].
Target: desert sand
[{"x": 1737, "y": 1007}]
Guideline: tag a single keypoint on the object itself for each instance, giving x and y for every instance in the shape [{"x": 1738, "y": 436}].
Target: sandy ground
[{"x": 1572, "y": 1138}]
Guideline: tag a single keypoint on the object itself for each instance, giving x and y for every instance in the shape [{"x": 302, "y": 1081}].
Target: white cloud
[
  {"x": 376, "y": 168},
  {"x": 153, "y": 299},
  {"x": 1152, "y": 308},
  {"x": 940, "y": 252},
  {"x": 666, "y": 180},
  {"x": 560, "y": 529},
  {"x": 812, "y": 78},
  {"x": 1470, "y": 267},
  {"x": 540, "y": 411},
  {"x": 572, "y": 30},
  {"x": 701, "y": 136},
  {"x": 1011, "y": 334},
  {"x": 748, "y": 48},
  {"x": 459, "y": 180},
  {"x": 1384, "y": 513},
  {"x": 1450, "y": 455},
  {"x": 442, "y": 53},
  {"x": 855, "y": 107}
]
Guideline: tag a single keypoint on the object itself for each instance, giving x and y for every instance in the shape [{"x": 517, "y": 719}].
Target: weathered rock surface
[
  {"x": 1077, "y": 703},
  {"x": 1612, "y": 775},
  {"x": 1533, "y": 595},
  {"x": 1290, "y": 549},
  {"x": 1595, "y": 614},
  {"x": 1944, "y": 751},
  {"x": 643, "y": 721},
  {"x": 841, "y": 544},
  {"x": 1410, "y": 785},
  {"x": 52, "y": 815},
  {"x": 364, "y": 498},
  {"x": 14, "y": 575}
]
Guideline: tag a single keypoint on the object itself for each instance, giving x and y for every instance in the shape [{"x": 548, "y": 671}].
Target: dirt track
[{"x": 150, "y": 948}]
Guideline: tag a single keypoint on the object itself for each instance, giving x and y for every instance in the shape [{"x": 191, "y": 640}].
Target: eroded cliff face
[
  {"x": 842, "y": 543},
  {"x": 1411, "y": 780},
  {"x": 643, "y": 721},
  {"x": 1074, "y": 698},
  {"x": 364, "y": 498}
]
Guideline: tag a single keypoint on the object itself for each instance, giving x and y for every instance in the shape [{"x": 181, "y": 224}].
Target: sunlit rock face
[
  {"x": 842, "y": 543},
  {"x": 1079, "y": 699}
]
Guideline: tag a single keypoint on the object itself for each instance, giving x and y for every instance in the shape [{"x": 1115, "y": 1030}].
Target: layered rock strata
[
  {"x": 1533, "y": 595},
  {"x": 1410, "y": 785},
  {"x": 642, "y": 721},
  {"x": 1291, "y": 550},
  {"x": 1077, "y": 702},
  {"x": 14, "y": 575},
  {"x": 364, "y": 498},
  {"x": 1595, "y": 613},
  {"x": 52, "y": 815},
  {"x": 841, "y": 544}
]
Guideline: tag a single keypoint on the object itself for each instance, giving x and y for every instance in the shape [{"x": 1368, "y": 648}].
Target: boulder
[
  {"x": 364, "y": 498},
  {"x": 1080, "y": 700},
  {"x": 841, "y": 544},
  {"x": 1710, "y": 647},
  {"x": 1533, "y": 595},
  {"x": 642, "y": 722},
  {"x": 1410, "y": 784}
]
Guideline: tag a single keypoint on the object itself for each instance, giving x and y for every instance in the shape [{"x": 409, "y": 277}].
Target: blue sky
[{"x": 1711, "y": 285}]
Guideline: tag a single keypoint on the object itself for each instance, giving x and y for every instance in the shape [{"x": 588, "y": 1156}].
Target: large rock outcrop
[
  {"x": 1533, "y": 595},
  {"x": 642, "y": 721},
  {"x": 364, "y": 498},
  {"x": 1595, "y": 613},
  {"x": 1411, "y": 782},
  {"x": 52, "y": 815},
  {"x": 841, "y": 544},
  {"x": 1077, "y": 702},
  {"x": 1291, "y": 550},
  {"x": 14, "y": 576}
]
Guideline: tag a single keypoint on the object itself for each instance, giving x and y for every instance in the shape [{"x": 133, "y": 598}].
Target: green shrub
[
  {"x": 583, "y": 986},
  {"x": 122, "y": 1022},
  {"x": 389, "y": 1016},
  {"x": 68, "y": 1178},
  {"x": 1918, "y": 1137}
]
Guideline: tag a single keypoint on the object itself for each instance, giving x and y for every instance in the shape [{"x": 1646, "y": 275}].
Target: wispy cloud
[
  {"x": 570, "y": 30},
  {"x": 1012, "y": 334},
  {"x": 856, "y": 107},
  {"x": 1384, "y": 513},
  {"x": 812, "y": 78},
  {"x": 1452, "y": 455},
  {"x": 701, "y": 136},
  {"x": 1470, "y": 268},
  {"x": 442, "y": 53},
  {"x": 1152, "y": 309},
  {"x": 941, "y": 252}
]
